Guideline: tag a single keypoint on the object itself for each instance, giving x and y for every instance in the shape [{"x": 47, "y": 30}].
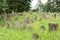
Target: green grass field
[{"x": 19, "y": 34}]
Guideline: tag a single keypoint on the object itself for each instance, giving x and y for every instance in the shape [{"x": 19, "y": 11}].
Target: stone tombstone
[
  {"x": 21, "y": 14},
  {"x": 24, "y": 26},
  {"x": 34, "y": 17},
  {"x": 53, "y": 26},
  {"x": 2, "y": 16},
  {"x": 47, "y": 16},
  {"x": 8, "y": 24},
  {"x": 42, "y": 27},
  {"x": 5, "y": 14},
  {"x": 55, "y": 15},
  {"x": 59, "y": 14},
  {"x": 35, "y": 36},
  {"x": 30, "y": 12},
  {"x": 13, "y": 25},
  {"x": 16, "y": 17},
  {"x": 27, "y": 20},
  {"x": 8, "y": 16},
  {"x": 30, "y": 28},
  {"x": 49, "y": 12},
  {"x": 13, "y": 13},
  {"x": 5, "y": 21},
  {"x": 42, "y": 15},
  {"x": 24, "y": 12},
  {"x": 19, "y": 24},
  {"x": 2, "y": 24}
]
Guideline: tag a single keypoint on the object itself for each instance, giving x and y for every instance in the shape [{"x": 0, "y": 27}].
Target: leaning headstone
[
  {"x": 2, "y": 24},
  {"x": 42, "y": 27},
  {"x": 35, "y": 36},
  {"x": 49, "y": 12},
  {"x": 16, "y": 17},
  {"x": 47, "y": 16},
  {"x": 30, "y": 12},
  {"x": 42, "y": 15},
  {"x": 5, "y": 14},
  {"x": 13, "y": 13},
  {"x": 13, "y": 25},
  {"x": 8, "y": 16},
  {"x": 21, "y": 14},
  {"x": 34, "y": 17},
  {"x": 2, "y": 16},
  {"x": 24, "y": 26},
  {"x": 5, "y": 21},
  {"x": 30, "y": 28},
  {"x": 8, "y": 25},
  {"x": 24, "y": 12},
  {"x": 27, "y": 20},
  {"x": 53, "y": 26},
  {"x": 59, "y": 14},
  {"x": 19, "y": 24},
  {"x": 55, "y": 15}
]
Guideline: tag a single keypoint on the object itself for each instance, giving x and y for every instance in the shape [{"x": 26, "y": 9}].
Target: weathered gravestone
[
  {"x": 8, "y": 24},
  {"x": 13, "y": 25},
  {"x": 35, "y": 36},
  {"x": 19, "y": 24},
  {"x": 27, "y": 20},
  {"x": 5, "y": 15},
  {"x": 55, "y": 15},
  {"x": 59, "y": 14},
  {"x": 30, "y": 12},
  {"x": 9, "y": 17},
  {"x": 30, "y": 28},
  {"x": 24, "y": 12},
  {"x": 2, "y": 16},
  {"x": 34, "y": 17},
  {"x": 3, "y": 24},
  {"x": 47, "y": 16},
  {"x": 42, "y": 15},
  {"x": 42, "y": 27},
  {"x": 53, "y": 26},
  {"x": 21, "y": 14},
  {"x": 24, "y": 26},
  {"x": 16, "y": 17},
  {"x": 13, "y": 13}
]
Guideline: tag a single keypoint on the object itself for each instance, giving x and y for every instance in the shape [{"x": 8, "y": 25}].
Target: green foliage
[
  {"x": 19, "y": 5},
  {"x": 16, "y": 5},
  {"x": 20, "y": 34},
  {"x": 52, "y": 6}
]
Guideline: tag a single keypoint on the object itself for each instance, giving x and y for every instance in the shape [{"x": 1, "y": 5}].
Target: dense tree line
[
  {"x": 15, "y": 5},
  {"x": 51, "y": 5}
]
